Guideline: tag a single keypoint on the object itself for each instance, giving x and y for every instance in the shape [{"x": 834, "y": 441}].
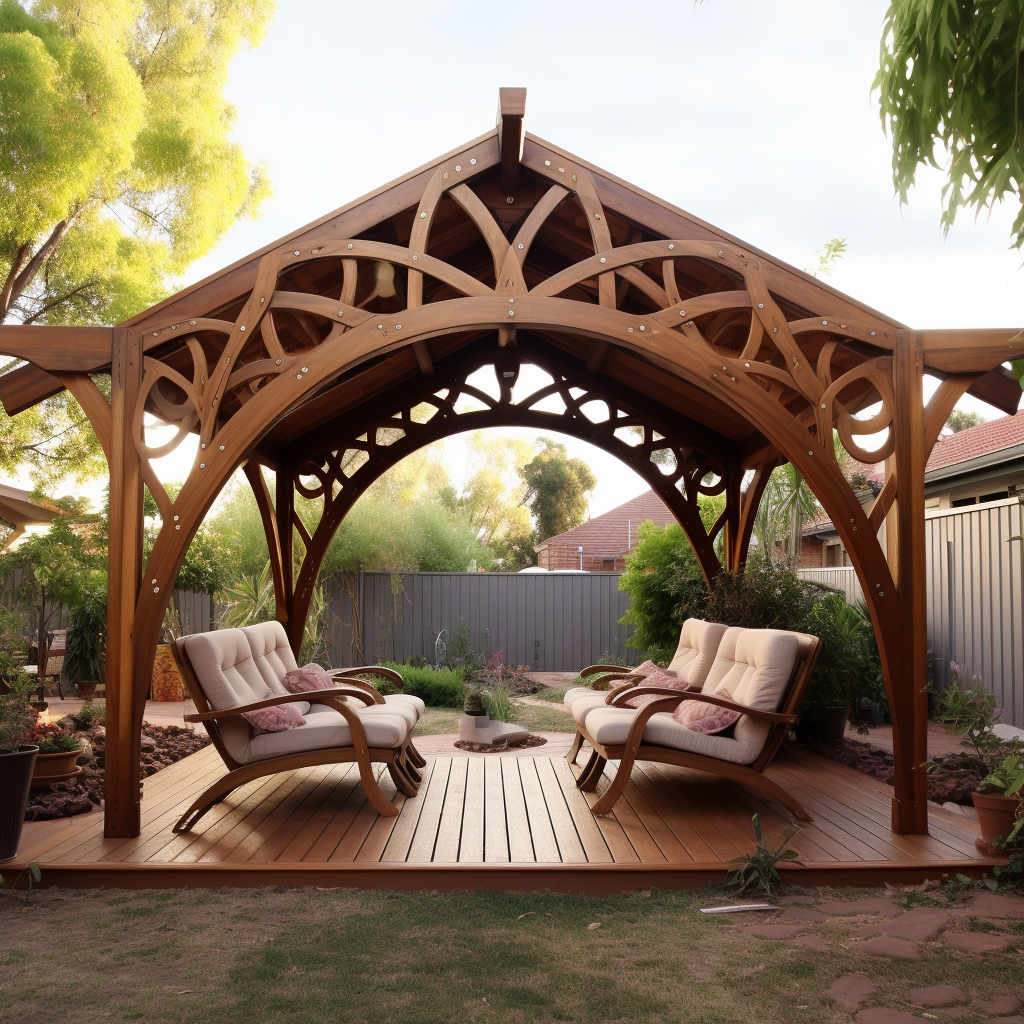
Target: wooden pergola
[{"x": 701, "y": 362}]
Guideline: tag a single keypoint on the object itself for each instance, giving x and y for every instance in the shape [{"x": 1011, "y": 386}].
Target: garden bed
[{"x": 162, "y": 745}]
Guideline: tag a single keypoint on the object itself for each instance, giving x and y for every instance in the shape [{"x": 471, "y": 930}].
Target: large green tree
[
  {"x": 951, "y": 94},
  {"x": 557, "y": 488},
  {"x": 117, "y": 165}
]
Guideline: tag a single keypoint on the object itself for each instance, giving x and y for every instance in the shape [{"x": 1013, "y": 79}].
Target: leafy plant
[
  {"x": 437, "y": 687},
  {"x": 474, "y": 702},
  {"x": 17, "y": 718},
  {"x": 88, "y": 715},
  {"x": 35, "y": 876},
  {"x": 498, "y": 702},
  {"x": 52, "y": 739},
  {"x": 755, "y": 873},
  {"x": 1007, "y": 778},
  {"x": 87, "y": 637}
]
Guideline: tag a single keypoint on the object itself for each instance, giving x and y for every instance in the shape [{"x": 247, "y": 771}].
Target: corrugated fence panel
[
  {"x": 548, "y": 621},
  {"x": 843, "y": 579},
  {"x": 975, "y": 564}
]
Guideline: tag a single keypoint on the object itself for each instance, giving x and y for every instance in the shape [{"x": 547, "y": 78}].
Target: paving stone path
[{"x": 984, "y": 923}]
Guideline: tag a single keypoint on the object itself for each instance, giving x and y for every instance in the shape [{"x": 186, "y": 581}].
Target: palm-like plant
[{"x": 786, "y": 503}]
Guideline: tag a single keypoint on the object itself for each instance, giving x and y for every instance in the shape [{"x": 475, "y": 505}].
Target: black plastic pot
[{"x": 15, "y": 779}]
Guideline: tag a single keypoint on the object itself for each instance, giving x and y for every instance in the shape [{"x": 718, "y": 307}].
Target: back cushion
[
  {"x": 271, "y": 652},
  {"x": 224, "y": 666},
  {"x": 698, "y": 644},
  {"x": 754, "y": 666}
]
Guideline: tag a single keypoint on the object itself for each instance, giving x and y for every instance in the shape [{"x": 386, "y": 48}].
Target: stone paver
[
  {"x": 851, "y": 990},
  {"x": 936, "y": 995},
  {"x": 884, "y": 945},
  {"x": 799, "y": 914},
  {"x": 976, "y": 942},
  {"x": 885, "y": 1015},
  {"x": 874, "y": 905},
  {"x": 994, "y": 904},
  {"x": 771, "y": 931},
  {"x": 812, "y": 941},
  {"x": 996, "y": 1006},
  {"x": 918, "y": 924}
]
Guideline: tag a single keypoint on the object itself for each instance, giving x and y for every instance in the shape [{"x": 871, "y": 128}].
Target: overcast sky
[{"x": 755, "y": 116}]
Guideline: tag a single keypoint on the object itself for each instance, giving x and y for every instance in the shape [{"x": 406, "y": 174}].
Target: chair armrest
[
  {"x": 591, "y": 670},
  {"x": 269, "y": 702},
  {"x": 630, "y": 687},
  {"x": 370, "y": 670},
  {"x": 604, "y": 682}
]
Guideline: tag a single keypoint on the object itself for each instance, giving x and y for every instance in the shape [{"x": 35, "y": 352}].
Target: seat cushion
[
  {"x": 587, "y": 702},
  {"x": 410, "y": 699},
  {"x": 329, "y": 729},
  {"x": 271, "y": 652},
  {"x": 695, "y": 654},
  {"x": 610, "y": 726}
]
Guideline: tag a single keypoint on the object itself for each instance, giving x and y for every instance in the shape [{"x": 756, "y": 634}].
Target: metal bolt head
[
  {"x": 380, "y": 327},
  {"x": 721, "y": 253},
  {"x": 810, "y": 452},
  {"x": 242, "y": 328},
  {"x": 671, "y": 246},
  {"x": 630, "y": 329},
  {"x": 152, "y": 581},
  {"x": 510, "y": 200},
  {"x": 872, "y": 334},
  {"x": 458, "y": 167},
  {"x": 423, "y": 215},
  {"x": 521, "y": 246},
  {"x": 473, "y": 161},
  {"x": 175, "y": 518},
  {"x": 642, "y": 328},
  {"x": 202, "y": 465},
  {"x": 177, "y": 527},
  {"x": 715, "y": 375},
  {"x": 296, "y": 253},
  {"x": 277, "y": 362},
  {"x": 824, "y": 323},
  {"x": 760, "y": 305},
  {"x": 203, "y": 446},
  {"x": 156, "y": 590},
  {"x": 415, "y": 256},
  {"x": 881, "y": 593},
  {"x": 222, "y": 447},
  {"x": 350, "y": 245},
  {"x": 305, "y": 369},
  {"x": 547, "y": 163},
  {"x": 823, "y": 405},
  {"x": 603, "y": 260},
  {"x": 398, "y": 327},
  {"x": 511, "y": 312}
]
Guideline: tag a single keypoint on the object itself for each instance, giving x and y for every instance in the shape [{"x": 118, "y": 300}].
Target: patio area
[{"x": 503, "y": 822}]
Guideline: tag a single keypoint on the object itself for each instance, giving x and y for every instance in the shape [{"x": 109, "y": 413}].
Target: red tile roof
[
  {"x": 975, "y": 441},
  {"x": 615, "y": 531}
]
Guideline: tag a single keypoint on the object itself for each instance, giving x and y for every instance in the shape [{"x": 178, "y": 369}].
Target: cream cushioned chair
[
  {"x": 691, "y": 663},
  {"x": 764, "y": 670},
  {"x": 225, "y": 680}
]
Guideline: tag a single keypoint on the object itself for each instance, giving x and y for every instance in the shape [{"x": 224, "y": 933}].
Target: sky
[{"x": 757, "y": 117}]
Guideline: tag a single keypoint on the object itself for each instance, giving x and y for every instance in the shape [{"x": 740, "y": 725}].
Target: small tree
[{"x": 557, "y": 489}]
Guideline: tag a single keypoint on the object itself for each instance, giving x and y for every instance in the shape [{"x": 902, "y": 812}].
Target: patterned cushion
[
  {"x": 659, "y": 679},
  {"x": 309, "y": 677},
  {"x": 645, "y": 669},
  {"x": 277, "y": 718},
  {"x": 706, "y": 718}
]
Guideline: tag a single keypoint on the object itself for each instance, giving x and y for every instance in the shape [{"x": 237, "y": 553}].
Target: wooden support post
[
  {"x": 284, "y": 506},
  {"x": 124, "y": 719},
  {"x": 511, "y": 109},
  {"x": 907, "y": 658}
]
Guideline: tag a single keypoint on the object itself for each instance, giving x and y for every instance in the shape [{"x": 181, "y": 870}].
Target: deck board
[{"x": 498, "y": 822}]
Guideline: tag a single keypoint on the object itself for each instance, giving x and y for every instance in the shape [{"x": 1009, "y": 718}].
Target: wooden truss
[{"x": 699, "y": 361}]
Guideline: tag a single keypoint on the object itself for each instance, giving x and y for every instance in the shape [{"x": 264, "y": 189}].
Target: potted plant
[
  {"x": 87, "y": 640},
  {"x": 474, "y": 703},
  {"x": 58, "y": 755},
  {"x": 998, "y": 801},
  {"x": 17, "y": 752}
]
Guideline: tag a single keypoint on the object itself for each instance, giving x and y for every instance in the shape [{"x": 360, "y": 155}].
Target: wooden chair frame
[
  {"x": 399, "y": 764},
  {"x": 635, "y": 749}
]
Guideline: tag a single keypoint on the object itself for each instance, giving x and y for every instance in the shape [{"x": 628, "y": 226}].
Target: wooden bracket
[{"x": 511, "y": 109}]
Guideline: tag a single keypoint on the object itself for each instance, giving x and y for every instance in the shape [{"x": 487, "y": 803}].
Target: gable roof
[
  {"x": 975, "y": 442},
  {"x": 614, "y": 532}
]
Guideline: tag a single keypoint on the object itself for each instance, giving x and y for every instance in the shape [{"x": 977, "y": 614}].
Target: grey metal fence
[
  {"x": 975, "y": 597},
  {"x": 552, "y": 622},
  {"x": 843, "y": 579}
]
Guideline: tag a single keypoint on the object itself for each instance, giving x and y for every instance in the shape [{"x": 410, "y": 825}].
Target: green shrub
[{"x": 438, "y": 687}]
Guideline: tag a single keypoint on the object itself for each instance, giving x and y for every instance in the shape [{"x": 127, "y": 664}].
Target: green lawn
[
  {"x": 445, "y": 721},
  {"x": 309, "y": 956}
]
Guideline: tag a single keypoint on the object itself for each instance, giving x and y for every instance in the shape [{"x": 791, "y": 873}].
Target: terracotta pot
[
  {"x": 87, "y": 689},
  {"x": 51, "y": 768},
  {"x": 15, "y": 778},
  {"x": 167, "y": 684},
  {"x": 996, "y": 815}
]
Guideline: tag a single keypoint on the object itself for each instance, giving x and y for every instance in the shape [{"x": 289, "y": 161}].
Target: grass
[
  {"x": 307, "y": 955},
  {"x": 445, "y": 721}
]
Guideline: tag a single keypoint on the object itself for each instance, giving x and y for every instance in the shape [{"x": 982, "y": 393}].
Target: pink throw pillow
[
  {"x": 706, "y": 718},
  {"x": 276, "y": 718},
  {"x": 309, "y": 677},
  {"x": 660, "y": 679},
  {"x": 645, "y": 669}
]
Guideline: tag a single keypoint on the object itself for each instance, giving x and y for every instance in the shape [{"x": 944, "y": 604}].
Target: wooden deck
[{"x": 497, "y": 822}]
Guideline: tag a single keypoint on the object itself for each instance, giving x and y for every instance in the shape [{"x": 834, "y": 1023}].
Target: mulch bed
[
  {"x": 952, "y": 782},
  {"x": 162, "y": 745},
  {"x": 493, "y": 748}
]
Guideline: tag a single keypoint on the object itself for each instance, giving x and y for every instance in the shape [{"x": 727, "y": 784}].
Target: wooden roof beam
[{"x": 511, "y": 110}]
